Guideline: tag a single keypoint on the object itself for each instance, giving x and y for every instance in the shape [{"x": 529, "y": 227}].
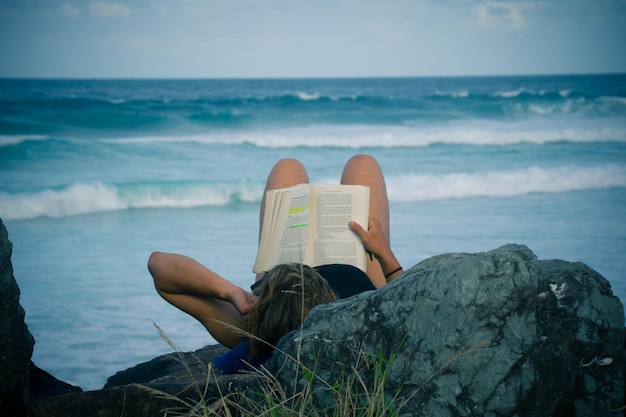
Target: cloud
[
  {"x": 503, "y": 15},
  {"x": 110, "y": 9},
  {"x": 69, "y": 10},
  {"x": 160, "y": 8}
]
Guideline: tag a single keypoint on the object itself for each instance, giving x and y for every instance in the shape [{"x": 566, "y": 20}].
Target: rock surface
[
  {"x": 491, "y": 334},
  {"x": 143, "y": 389},
  {"x": 16, "y": 342}
]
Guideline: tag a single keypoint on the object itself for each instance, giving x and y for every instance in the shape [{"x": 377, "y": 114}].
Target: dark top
[{"x": 345, "y": 280}]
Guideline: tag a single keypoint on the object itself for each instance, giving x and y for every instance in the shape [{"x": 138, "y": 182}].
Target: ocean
[{"x": 97, "y": 174}]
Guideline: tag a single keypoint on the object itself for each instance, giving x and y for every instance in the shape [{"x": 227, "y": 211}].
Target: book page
[
  {"x": 292, "y": 246},
  {"x": 332, "y": 240},
  {"x": 285, "y": 227}
]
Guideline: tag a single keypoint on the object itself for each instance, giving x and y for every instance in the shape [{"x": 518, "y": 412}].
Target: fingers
[
  {"x": 373, "y": 239},
  {"x": 373, "y": 229},
  {"x": 243, "y": 301},
  {"x": 355, "y": 227},
  {"x": 251, "y": 298},
  {"x": 366, "y": 236}
]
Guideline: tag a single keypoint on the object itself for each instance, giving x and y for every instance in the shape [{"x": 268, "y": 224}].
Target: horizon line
[{"x": 225, "y": 78}]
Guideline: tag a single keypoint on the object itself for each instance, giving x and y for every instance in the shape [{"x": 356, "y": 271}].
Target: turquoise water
[{"x": 96, "y": 174}]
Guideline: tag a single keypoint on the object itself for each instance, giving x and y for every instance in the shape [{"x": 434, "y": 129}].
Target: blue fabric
[{"x": 233, "y": 361}]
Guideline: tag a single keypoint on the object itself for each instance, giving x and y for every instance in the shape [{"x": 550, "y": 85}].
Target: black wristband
[{"x": 393, "y": 272}]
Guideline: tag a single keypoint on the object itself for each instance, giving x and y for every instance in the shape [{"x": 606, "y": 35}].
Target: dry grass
[
  {"x": 361, "y": 390},
  {"x": 351, "y": 395}
]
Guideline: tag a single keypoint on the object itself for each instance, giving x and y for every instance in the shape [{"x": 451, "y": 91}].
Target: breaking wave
[
  {"x": 84, "y": 198},
  {"x": 504, "y": 183}
]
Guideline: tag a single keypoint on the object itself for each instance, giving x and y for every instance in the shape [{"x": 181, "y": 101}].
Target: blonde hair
[{"x": 284, "y": 298}]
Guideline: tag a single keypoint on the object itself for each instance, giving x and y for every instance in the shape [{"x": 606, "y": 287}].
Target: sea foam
[
  {"x": 502, "y": 183},
  {"x": 363, "y": 136},
  {"x": 84, "y": 198},
  {"x": 6, "y": 140}
]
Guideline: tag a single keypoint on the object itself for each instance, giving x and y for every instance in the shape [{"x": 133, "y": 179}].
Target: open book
[{"x": 308, "y": 223}]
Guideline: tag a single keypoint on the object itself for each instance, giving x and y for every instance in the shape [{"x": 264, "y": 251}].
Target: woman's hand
[
  {"x": 242, "y": 300},
  {"x": 377, "y": 243},
  {"x": 374, "y": 239}
]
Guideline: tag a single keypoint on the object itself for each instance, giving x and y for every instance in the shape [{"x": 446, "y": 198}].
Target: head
[{"x": 284, "y": 298}]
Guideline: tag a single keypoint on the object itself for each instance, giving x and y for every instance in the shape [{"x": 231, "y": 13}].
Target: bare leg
[
  {"x": 285, "y": 173},
  {"x": 364, "y": 170}
]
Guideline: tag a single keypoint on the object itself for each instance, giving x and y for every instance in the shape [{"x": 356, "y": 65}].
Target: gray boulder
[
  {"x": 490, "y": 334},
  {"x": 171, "y": 384},
  {"x": 16, "y": 342}
]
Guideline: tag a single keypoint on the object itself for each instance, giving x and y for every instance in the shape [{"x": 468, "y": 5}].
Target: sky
[{"x": 309, "y": 38}]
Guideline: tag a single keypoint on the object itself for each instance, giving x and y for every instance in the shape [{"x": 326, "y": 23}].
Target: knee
[
  {"x": 153, "y": 264},
  {"x": 287, "y": 172},
  {"x": 288, "y": 165},
  {"x": 361, "y": 162}
]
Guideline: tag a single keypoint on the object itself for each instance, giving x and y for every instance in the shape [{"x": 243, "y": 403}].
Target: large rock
[
  {"x": 491, "y": 334},
  {"x": 16, "y": 342},
  {"x": 170, "y": 384}
]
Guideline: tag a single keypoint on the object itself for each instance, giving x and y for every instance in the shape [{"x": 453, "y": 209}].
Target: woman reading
[{"x": 283, "y": 296}]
